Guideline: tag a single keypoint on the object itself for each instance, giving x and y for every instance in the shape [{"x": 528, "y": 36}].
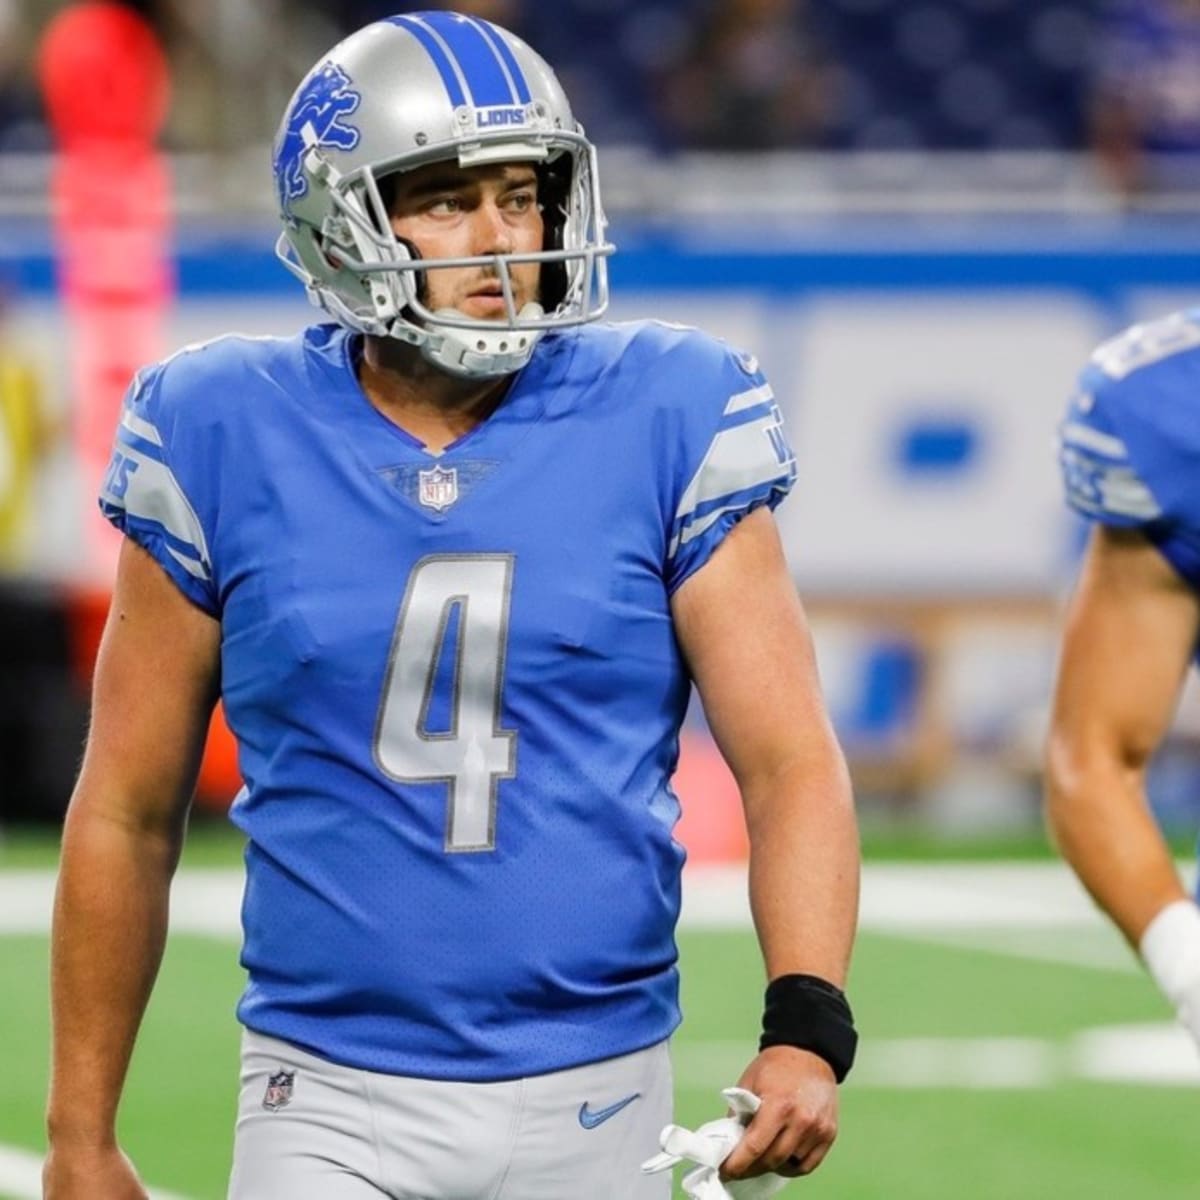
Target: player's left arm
[
  {"x": 744, "y": 634},
  {"x": 1131, "y": 631}
]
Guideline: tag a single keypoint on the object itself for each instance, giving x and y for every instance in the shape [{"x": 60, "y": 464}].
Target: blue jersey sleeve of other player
[
  {"x": 1129, "y": 447},
  {"x": 737, "y": 459}
]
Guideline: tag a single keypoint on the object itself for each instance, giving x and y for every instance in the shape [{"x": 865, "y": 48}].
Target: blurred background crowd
[
  {"x": 974, "y": 191},
  {"x": 1117, "y": 77}
]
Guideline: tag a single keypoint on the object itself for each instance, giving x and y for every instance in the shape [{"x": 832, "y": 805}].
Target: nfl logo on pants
[{"x": 279, "y": 1090}]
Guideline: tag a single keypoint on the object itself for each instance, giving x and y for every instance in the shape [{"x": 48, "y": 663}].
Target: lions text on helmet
[{"x": 384, "y": 107}]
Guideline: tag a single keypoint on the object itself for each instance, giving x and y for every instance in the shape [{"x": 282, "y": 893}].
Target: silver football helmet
[{"x": 401, "y": 93}]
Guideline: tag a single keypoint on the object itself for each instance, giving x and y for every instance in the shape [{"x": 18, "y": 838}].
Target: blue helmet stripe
[
  {"x": 465, "y": 50},
  {"x": 433, "y": 47},
  {"x": 516, "y": 75}
]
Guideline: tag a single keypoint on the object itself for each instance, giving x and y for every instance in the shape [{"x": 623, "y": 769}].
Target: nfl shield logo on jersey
[
  {"x": 438, "y": 488},
  {"x": 279, "y": 1090}
]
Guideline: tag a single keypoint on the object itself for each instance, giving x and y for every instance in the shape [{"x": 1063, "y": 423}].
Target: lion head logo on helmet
[{"x": 326, "y": 100}]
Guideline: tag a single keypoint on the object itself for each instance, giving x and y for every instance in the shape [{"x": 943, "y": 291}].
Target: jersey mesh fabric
[{"x": 454, "y": 681}]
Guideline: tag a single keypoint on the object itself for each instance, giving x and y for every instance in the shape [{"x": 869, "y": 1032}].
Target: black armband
[{"x": 810, "y": 1014}]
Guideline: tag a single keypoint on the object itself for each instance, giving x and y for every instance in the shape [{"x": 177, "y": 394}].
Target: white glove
[
  {"x": 709, "y": 1146},
  {"x": 1170, "y": 948}
]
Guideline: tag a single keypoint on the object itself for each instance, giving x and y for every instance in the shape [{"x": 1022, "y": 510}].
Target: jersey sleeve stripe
[
  {"x": 150, "y": 494},
  {"x": 700, "y": 523},
  {"x": 140, "y": 428},
  {"x": 1096, "y": 487},
  {"x": 1125, "y": 494},
  {"x": 1086, "y": 438},
  {"x": 738, "y": 459},
  {"x": 742, "y": 400},
  {"x": 190, "y": 565},
  {"x": 1142, "y": 345},
  {"x": 135, "y": 444}
]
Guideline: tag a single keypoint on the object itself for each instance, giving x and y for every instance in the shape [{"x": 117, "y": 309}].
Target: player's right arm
[{"x": 155, "y": 686}]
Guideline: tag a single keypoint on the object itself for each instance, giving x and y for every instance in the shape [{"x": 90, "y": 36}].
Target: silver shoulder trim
[
  {"x": 739, "y": 458},
  {"x": 152, "y": 493},
  {"x": 744, "y": 400},
  {"x": 1141, "y": 345},
  {"x": 1092, "y": 439},
  {"x": 140, "y": 428},
  {"x": 1124, "y": 494}
]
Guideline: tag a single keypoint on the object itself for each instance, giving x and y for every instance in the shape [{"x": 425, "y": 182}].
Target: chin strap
[{"x": 474, "y": 353}]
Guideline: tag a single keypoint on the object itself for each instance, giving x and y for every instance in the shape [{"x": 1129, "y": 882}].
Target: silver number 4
[{"x": 474, "y": 754}]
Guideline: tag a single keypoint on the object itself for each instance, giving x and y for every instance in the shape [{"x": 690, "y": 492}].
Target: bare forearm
[
  {"x": 804, "y": 869},
  {"x": 1105, "y": 830},
  {"x": 110, "y": 921}
]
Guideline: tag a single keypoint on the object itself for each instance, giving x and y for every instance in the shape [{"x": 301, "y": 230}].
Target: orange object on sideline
[
  {"x": 712, "y": 827},
  {"x": 106, "y": 86},
  {"x": 219, "y": 780},
  {"x": 87, "y": 610},
  {"x": 104, "y": 75}
]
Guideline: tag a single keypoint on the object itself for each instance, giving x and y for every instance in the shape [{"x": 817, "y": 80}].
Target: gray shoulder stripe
[
  {"x": 1141, "y": 345},
  {"x": 143, "y": 429},
  {"x": 1124, "y": 493},
  {"x": 697, "y": 527},
  {"x": 739, "y": 458},
  {"x": 153, "y": 494},
  {"x": 742, "y": 400},
  {"x": 1092, "y": 439},
  {"x": 190, "y": 565}
]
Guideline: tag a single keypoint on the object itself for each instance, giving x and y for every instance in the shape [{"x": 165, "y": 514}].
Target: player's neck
[{"x": 430, "y": 405}]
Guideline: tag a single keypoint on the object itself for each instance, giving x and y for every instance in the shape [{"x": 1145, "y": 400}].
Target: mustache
[{"x": 525, "y": 282}]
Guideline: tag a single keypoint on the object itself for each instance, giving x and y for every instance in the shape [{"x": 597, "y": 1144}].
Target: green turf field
[{"x": 973, "y": 1082}]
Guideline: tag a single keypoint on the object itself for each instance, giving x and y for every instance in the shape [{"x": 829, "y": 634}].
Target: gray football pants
[{"x": 339, "y": 1133}]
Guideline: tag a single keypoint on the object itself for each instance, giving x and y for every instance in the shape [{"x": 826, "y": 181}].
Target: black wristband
[{"x": 811, "y": 1014}]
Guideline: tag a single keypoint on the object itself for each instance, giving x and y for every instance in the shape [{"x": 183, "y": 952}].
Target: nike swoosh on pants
[{"x": 589, "y": 1119}]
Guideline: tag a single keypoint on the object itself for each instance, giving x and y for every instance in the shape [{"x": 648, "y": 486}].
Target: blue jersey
[
  {"x": 453, "y": 680},
  {"x": 1130, "y": 443}
]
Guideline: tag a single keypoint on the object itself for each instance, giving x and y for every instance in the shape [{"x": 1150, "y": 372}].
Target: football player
[
  {"x": 1130, "y": 453},
  {"x": 453, "y": 560}
]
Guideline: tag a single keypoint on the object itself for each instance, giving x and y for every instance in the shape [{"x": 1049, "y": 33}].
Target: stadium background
[{"x": 921, "y": 267}]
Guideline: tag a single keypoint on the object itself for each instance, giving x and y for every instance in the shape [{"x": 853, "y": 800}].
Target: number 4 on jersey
[{"x": 474, "y": 754}]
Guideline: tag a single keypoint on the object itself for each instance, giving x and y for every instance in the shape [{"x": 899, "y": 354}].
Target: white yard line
[
  {"x": 899, "y": 897},
  {"x": 942, "y": 898},
  {"x": 1096, "y": 948},
  {"x": 1019, "y": 910},
  {"x": 21, "y": 1176},
  {"x": 203, "y": 901},
  {"x": 1150, "y": 1055},
  {"x": 1024, "y": 910}
]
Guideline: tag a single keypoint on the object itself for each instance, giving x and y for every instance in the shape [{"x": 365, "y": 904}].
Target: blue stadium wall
[{"x": 922, "y": 367}]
